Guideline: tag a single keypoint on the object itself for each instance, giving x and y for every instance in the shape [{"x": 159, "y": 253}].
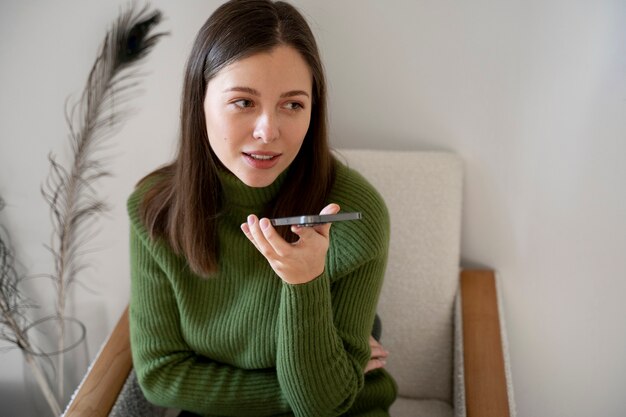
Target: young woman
[{"x": 229, "y": 315}]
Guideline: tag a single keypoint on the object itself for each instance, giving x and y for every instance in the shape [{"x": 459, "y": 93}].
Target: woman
[{"x": 230, "y": 316}]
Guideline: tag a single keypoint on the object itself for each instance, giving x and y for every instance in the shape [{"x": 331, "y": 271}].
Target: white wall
[{"x": 531, "y": 93}]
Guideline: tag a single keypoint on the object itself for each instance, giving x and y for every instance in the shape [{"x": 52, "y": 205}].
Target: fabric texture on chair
[
  {"x": 421, "y": 281},
  {"x": 131, "y": 402},
  {"x": 408, "y": 407}
]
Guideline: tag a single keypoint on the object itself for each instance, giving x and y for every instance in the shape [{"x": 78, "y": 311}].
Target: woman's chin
[{"x": 258, "y": 181}]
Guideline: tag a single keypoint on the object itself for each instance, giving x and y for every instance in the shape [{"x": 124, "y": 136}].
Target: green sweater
[{"x": 243, "y": 342}]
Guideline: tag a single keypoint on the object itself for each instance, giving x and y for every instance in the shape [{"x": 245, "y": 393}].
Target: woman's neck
[{"x": 237, "y": 194}]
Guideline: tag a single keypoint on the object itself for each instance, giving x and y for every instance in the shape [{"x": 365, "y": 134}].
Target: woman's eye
[
  {"x": 294, "y": 106},
  {"x": 243, "y": 103}
]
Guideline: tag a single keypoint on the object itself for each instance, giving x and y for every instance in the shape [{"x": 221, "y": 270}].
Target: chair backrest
[{"x": 423, "y": 192}]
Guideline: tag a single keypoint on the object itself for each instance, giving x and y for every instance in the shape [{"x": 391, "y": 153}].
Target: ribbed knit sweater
[{"x": 243, "y": 342}]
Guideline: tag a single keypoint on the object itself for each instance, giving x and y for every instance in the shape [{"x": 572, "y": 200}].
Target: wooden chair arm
[
  {"x": 485, "y": 379},
  {"x": 99, "y": 390}
]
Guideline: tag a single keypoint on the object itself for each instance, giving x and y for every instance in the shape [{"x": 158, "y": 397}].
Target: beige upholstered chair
[{"x": 441, "y": 324}]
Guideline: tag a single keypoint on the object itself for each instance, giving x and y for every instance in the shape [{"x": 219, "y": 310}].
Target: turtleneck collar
[{"x": 236, "y": 193}]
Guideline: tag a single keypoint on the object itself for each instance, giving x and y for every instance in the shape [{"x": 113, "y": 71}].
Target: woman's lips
[{"x": 261, "y": 159}]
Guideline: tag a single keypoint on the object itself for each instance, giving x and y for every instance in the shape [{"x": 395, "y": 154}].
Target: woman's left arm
[{"x": 323, "y": 341}]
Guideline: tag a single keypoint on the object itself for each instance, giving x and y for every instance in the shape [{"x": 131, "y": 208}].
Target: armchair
[{"x": 443, "y": 326}]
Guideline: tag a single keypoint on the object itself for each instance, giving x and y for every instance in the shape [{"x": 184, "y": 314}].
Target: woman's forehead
[{"x": 281, "y": 69}]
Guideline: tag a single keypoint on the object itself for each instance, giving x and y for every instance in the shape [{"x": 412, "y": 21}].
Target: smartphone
[{"x": 312, "y": 220}]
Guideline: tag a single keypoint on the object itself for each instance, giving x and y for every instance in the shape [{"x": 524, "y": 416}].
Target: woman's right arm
[{"x": 169, "y": 372}]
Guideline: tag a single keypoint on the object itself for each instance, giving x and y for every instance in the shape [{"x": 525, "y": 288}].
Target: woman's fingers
[
  {"x": 295, "y": 263},
  {"x": 377, "y": 350},
  {"x": 259, "y": 238},
  {"x": 332, "y": 208},
  {"x": 378, "y": 356},
  {"x": 324, "y": 229},
  {"x": 246, "y": 231},
  {"x": 256, "y": 236},
  {"x": 264, "y": 236},
  {"x": 374, "y": 364}
]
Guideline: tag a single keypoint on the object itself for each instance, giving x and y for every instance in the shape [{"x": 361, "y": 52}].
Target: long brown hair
[{"x": 183, "y": 204}]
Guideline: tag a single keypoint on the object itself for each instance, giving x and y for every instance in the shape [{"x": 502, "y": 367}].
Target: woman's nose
[{"x": 266, "y": 128}]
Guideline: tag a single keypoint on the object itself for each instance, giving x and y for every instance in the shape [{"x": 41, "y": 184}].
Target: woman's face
[{"x": 257, "y": 113}]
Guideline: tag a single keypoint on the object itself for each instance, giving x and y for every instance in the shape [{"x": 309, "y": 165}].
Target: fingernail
[
  {"x": 264, "y": 224},
  {"x": 251, "y": 220}
]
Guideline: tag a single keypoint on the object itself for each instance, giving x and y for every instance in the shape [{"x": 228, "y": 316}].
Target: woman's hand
[
  {"x": 298, "y": 262},
  {"x": 378, "y": 356}
]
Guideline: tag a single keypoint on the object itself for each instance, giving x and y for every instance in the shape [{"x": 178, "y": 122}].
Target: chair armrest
[
  {"x": 486, "y": 392},
  {"x": 100, "y": 388}
]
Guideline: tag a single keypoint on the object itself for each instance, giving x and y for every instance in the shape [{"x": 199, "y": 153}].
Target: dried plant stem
[
  {"x": 61, "y": 362},
  {"x": 43, "y": 383},
  {"x": 66, "y": 243}
]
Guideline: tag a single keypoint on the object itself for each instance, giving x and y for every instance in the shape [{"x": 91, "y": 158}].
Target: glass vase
[{"x": 55, "y": 364}]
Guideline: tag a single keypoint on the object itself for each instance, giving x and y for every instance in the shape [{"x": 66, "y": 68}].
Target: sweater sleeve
[
  {"x": 325, "y": 324},
  {"x": 169, "y": 372},
  {"x": 323, "y": 343}
]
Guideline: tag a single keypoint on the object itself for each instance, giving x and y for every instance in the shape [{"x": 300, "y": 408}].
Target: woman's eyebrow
[
  {"x": 294, "y": 93},
  {"x": 243, "y": 90},
  {"x": 254, "y": 92}
]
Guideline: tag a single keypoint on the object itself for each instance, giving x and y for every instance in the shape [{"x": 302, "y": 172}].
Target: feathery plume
[{"x": 69, "y": 191}]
